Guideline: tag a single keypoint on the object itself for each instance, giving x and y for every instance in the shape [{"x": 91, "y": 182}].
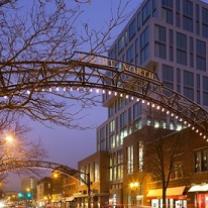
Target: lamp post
[
  {"x": 133, "y": 187},
  {"x": 89, "y": 189}
]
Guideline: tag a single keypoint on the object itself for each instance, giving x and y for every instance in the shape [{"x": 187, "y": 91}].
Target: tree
[
  {"x": 39, "y": 32},
  {"x": 14, "y": 145},
  {"x": 161, "y": 154}
]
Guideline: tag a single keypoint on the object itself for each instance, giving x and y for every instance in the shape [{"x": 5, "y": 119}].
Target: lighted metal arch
[
  {"x": 84, "y": 70},
  {"x": 15, "y": 165}
]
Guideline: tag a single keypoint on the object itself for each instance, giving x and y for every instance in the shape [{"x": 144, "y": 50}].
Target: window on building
[
  {"x": 167, "y": 3},
  {"x": 168, "y": 76},
  {"x": 139, "y": 21},
  {"x": 167, "y": 15},
  {"x": 132, "y": 29},
  {"x": 144, "y": 45},
  {"x": 97, "y": 176},
  {"x": 160, "y": 41},
  {"x": 198, "y": 86},
  {"x": 188, "y": 82},
  {"x": 178, "y": 5},
  {"x": 146, "y": 11},
  {"x": 188, "y": 15},
  {"x": 201, "y": 160},
  {"x": 205, "y": 23},
  {"x": 141, "y": 156},
  {"x": 188, "y": 24},
  {"x": 130, "y": 159},
  {"x": 177, "y": 170},
  {"x": 181, "y": 51},
  {"x": 201, "y": 55},
  {"x": 137, "y": 110},
  {"x": 130, "y": 54},
  {"x": 188, "y": 8},
  {"x": 121, "y": 44},
  {"x": 178, "y": 78},
  {"x": 191, "y": 51},
  {"x": 123, "y": 120},
  {"x": 205, "y": 91},
  {"x": 178, "y": 20},
  {"x": 112, "y": 126}
]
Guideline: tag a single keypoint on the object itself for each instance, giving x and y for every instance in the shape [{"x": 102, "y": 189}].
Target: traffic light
[
  {"x": 20, "y": 195},
  {"x": 27, "y": 195}
]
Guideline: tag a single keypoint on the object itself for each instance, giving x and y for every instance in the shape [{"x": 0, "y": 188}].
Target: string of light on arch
[{"x": 125, "y": 96}]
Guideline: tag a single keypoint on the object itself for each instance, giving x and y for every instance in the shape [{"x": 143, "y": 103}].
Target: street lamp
[
  {"x": 134, "y": 185},
  {"x": 55, "y": 175}
]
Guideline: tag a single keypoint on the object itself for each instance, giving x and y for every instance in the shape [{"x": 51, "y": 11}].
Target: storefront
[
  {"x": 175, "y": 197},
  {"x": 201, "y": 195}
]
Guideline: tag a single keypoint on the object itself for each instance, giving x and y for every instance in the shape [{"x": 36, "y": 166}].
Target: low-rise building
[{"x": 97, "y": 166}]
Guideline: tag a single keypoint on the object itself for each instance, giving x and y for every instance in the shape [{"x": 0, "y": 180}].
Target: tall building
[
  {"x": 170, "y": 38},
  {"x": 28, "y": 184}
]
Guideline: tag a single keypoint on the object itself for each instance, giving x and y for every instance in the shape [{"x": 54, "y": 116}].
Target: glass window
[
  {"x": 160, "y": 33},
  {"x": 160, "y": 50},
  {"x": 141, "y": 156},
  {"x": 144, "y": 46},
  {"x": 201, "y": 47},
  {"x": 144, "y": 38},
  {"x": 181, "y": 57},
  {"x": 205, "y": 91},
  {"x": 188, "y": 8},
  {"x": 178, "y": 5},
  {"x": 205, "y": 31},
  {"x": 181, "y": 41},
  {"x": 167, "y": 3},
  {"x": 137, "y": 110},
  {"x": 188, "y": 24},
  {"x": 178, "y": 20},
  {"x": 168, "y": 76},
  {"x": 167, "y": 15},
  {"x": 188, "y": 81},
  {"x": 201, "y": 160},
  {"x": 123, "y": 120},
  {"x": 201, "y": 55},
  {"x": 146, "y": 11},
  {"x": 197, "y": 12},
  {"x": 139, "y": 21},
  {"x": 181, "y": 44},
  {"x": 205, "y": 22},
  {"x": 130, "y": 54},
  {"x": 130, "y": 159},
  {"x": 132, "y": 29},
  {"x": 160, "y": 47},
  {"x": 178, "y": 77},
  {"x": 121, "y": 43},
  {"x": 167, "y": 73},
  {"x": 205, "y": 15}
]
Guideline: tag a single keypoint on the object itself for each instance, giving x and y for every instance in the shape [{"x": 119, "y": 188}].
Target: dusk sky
[{"x": 68, "y": 146}]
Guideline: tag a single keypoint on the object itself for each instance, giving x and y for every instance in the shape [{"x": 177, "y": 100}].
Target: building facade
[
  {"x": 142, "y": 183},
  {"x": 169, "y": 37},
  {"x": 97, "y": 166}
]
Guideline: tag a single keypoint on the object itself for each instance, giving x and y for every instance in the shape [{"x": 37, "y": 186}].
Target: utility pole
[{"x": 89, "y": 190}]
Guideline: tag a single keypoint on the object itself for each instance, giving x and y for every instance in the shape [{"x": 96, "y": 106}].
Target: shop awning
[
  {"x": 175, "y": 191},
  {"x": 199, "y": 188},
  {"x": 68, "y": 199}
]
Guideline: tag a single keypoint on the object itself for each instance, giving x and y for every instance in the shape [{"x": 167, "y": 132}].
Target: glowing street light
[
  {"x": 133, "y": 185},
  {"x": 55, "y": 175},
  {"x": 9, "y": 139}
]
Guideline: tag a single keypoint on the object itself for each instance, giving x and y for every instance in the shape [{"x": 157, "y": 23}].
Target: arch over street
[
  {"x": 91, "y": 72},
  {"x": 15, "y": 165}
]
